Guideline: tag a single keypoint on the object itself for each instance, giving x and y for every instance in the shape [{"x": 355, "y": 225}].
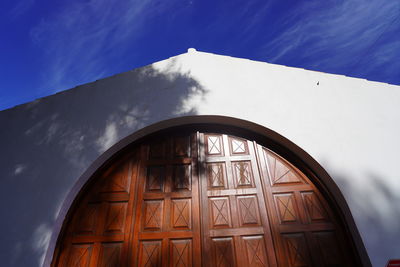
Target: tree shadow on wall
[
  {"x": 376, "y": 213},
  {"x": 50, "y": 142}
]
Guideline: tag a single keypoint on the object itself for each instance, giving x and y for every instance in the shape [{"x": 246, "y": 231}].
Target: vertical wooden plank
[
  {"x": 261, "y": 183},
  {"x": 205, "y": 216},
  {"x": 135, "y": 243},
  {"x": 196, "y": 223},
  {"x": 127, "y": 248}
]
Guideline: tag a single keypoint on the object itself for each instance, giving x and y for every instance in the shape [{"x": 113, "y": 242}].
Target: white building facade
[{"x": 346, "y": 129}]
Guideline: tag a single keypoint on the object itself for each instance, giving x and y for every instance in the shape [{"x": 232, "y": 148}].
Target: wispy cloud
[
  {"x": 85, "y": 40},
  {"x": 21, "y": 8},
  {"x": 41, "y": 238},
  {"x": 325, "y": 33},
  {"x": 80, "y": 39}
]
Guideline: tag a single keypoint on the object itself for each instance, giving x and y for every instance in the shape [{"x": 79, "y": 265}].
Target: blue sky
[{"x": 49, "y": 46}]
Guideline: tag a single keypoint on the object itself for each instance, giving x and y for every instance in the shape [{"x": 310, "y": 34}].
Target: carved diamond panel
[
  {"x": 150, "y": 254},
  {"x": 182, "y": 146},
  {"x": 181, "y": 253},
  {"x": 155, "y": 178},
  {"x": 117, "y": 180},
  {"x": 255, "y": 250},
  {"x": 223, "y": 252},
  {"x": 238, "y": 146},
  {"x": 115, "y": 220},
  {"x": 182, "y": 177},
  {"x": 110, "y": 255},
  {"x": 153, "y": 211},
  {"x": 214, "y": 145},
  {"x": 285, "y": 206},
  {"x": 248, "y": 210},
  {"x": 297, "y": 250},
  {"x": 79, "y": 255},
  {"x": 181, "y": 213},
  {"x": 280, "y": 172},
  {"x": 86, "y": 222},
  {"x": 330, "y": 251},
  {"x": 216, "y": 175},
  {"x": 220, "y": 212},
  {"x": 242, "y": 173},
  {"x": 314, "y": 209}
]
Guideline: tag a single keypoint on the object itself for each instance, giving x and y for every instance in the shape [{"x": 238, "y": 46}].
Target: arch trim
[{"x": 263, "y": 135}]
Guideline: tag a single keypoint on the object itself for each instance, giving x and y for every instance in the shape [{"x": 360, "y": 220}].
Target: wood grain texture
[{"x": 201, "y": 199}]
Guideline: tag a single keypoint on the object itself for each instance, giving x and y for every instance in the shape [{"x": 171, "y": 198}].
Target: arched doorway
[{"x": 209, "y": 196}]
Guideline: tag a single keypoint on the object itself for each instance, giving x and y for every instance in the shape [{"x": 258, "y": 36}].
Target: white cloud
[
  {"x": 329, "y": 31},
  {"x": 21, "y": 8},
  {"x": 80, "y": 38},
  {"x": 19, "y": 168},
  {"x": 41, "y": 239},
  {"x": 108, "y": 138}
]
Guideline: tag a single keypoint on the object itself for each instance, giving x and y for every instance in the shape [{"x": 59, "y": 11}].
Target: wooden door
[
  {"x": 306, "y": 231},
  {"x": 167, "y": 232},
  {"x": 97, "y": 232},
  {"x": 236, "y": 229},
  {"x": 202, "y": 199}
]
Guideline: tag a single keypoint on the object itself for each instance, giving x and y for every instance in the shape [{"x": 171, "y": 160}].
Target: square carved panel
[
  {"x": 181, "y": 217},
  {"x": 110, "y": 255},
  {"x": 297, "y": 251},
  {"x": 181, "y": 252},
  {"x": 116, "y": 216},
  {"x": 238, "y": 146},
  {"x": 182, "y": 146},
  {"x": 87, "y": 219},
  {"x": 150, "y": 253},
  {"x": 286, "y": 208},
  {"x": 223, "y": 252},
  {"x": 315, "y": 211},
  {"x": 79, "y": 255},
  {"x": 220, "y": 212},
  {"x": 214, "y": 145},
  {"x": 153, "y": 215},
  {"x": 117, "y": 179},
  {"x": 182, "y": 177},
  {"x": 155, "y": 179},
  {"x": 216, "y": 175},
  {"x": 242, "y": 174},
  {"x": 255, "y": 250},
  {"x": 249, "y": 214}
]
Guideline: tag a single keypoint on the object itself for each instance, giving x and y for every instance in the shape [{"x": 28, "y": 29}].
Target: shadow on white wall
[
  {"x": 375, "y": 207},
  {"x": 50, "y": 142}
]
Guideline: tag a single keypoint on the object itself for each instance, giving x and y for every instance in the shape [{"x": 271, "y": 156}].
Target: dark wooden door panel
[
  {"x": 98, "y": 233},
  {"x": 202, "y": 199},
  {"x": 168, "y": 204},
  {"x": 304, "y": 228}
]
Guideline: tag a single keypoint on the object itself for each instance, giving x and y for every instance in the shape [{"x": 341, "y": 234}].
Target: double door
[
  {"x": 201, "y": 203},
  {"x": 202, "y": 199}
]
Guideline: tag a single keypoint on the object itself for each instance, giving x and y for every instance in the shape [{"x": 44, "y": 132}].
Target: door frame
[{"x": 242, "y": 128}]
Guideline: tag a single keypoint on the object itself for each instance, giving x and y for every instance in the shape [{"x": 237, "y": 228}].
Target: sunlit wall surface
[{"x": 350, "y": 126}]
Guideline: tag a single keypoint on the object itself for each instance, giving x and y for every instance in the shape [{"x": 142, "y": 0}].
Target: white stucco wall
[{"x": 350, "y": 126}]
